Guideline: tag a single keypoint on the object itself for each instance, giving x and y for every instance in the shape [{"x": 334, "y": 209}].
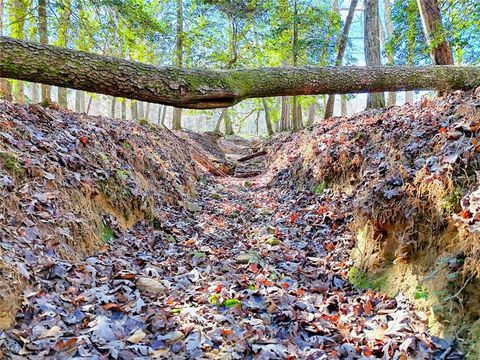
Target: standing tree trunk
[
  {"x": 43, "y": 32},
  {"x": 159, "y": 115},
  {"x": 134, "y": 110},
  {"x": 124, "y": 109},
  {"x": 391, "y": 96},
  {"x": 64, "y": 23},
  {"x": 177, "y": 112},
  {"x": 112, "y": 108},
  {"x": 312, "y": 111},
  {"x": 342, "y": 45},
  {"x": 17, "y": 17},
  {"x": 268, "y": 121},
  {"x": 228, "y": 124},
  {"x": 147, "y": 111},
  {"x": 164, "y": 115},
  {"x": 343, "y": 100},
  {"x": 89, "y": 105},
  {"x": 432, "y": 25},
  {"x": 295, "y": 61},
  {"x": 80, "y": 101},
  {"x": 220, "y": 119},
  {"x": 140, "y": 111},
  {"x": 5, "y": 86},
  {"x": 285, "y": 115},
  {"x": 372, "y": 48}
]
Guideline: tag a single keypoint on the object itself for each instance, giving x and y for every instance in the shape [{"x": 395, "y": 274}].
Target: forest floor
[
  {"x": 253, "y": 268},
  {"x": 258, "y": 272}
]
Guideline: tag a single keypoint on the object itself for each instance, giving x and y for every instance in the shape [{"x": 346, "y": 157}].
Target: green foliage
[
  {"x": 360, "y": 280},
  {"x": 421, "y": 292},
  {"x": 320, "y": 188},
  {"x": 107, "y": 233},
  {"x": 12, "y": 164}
]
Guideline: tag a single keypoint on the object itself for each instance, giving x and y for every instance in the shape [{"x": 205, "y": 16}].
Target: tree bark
[
  {"x": 228, "y": 123},
  {"x": 432, "y": 25},
  {"x": 312, "y": 111},
  {"x": 343, "y": 102},
  {"x": 80, "y": 101},
  {"x": 43, "y": 32},
  {"x": 268, "y": 121},
  {"x": 134, "y": 109},
  {"x": 285, "y": 115},
  {"x": 164, "y": 115},
  {"x": 124, "y": 109},
  {"x": 391, "y": 96},
  {"x": 342, "y": 45},
  {"x": 372, "y": 48},
  {"x": 203, "y": 89},
  {"x": 113, "y": 106},
  {"x": 220, "y": 119},
  {"x": 62, "y": 41},
  {"x": 177, "y": 112},
  {"x": 5, "y": 86}
]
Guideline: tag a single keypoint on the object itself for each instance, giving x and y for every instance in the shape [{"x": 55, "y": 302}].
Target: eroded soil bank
[{"x": 182, "y": 264}]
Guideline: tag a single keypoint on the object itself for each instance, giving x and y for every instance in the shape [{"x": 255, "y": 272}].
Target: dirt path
[{"x": 259, "y": 272}]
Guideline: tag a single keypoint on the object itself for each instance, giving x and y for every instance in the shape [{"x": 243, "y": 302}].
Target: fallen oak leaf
[
  {"x": 52, "y": 332},
  {"x": 137, "y": 336}
]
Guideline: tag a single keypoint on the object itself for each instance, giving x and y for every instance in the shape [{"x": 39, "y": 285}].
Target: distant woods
[{"x": 234, "y": 34}]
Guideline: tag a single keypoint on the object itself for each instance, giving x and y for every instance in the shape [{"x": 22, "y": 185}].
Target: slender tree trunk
[
  {"x": 64, "y": 23},
  {"x": 124, "y": 109},
  {"x": 312, "y": 111},
  {"x": 43, "y": 32},
  {"x": 220, "y": 119},
  {"x": 391, "y": 96},
  {"x": 35, "y": 92},
  {"x": 202, "y": 89},
  {"x": 257, "y": 125},
  {"x": 343, "y": 99},
  {"x": 372, "y": 48},
  {"x": 112, "y": 107},
  {"x": 285, "y": 115},
  {"x": 80, "y": 101},
  {"x": 228, "y": 123},
  {"x": 5, "y": 86},
  {"x": 159, "y": 116},
  {"x": 17, "y": 17},
  {"x": 432, "y": 25},
  {"x": 164, "y": 115},
  {"x": 134, "y": 110},
  {"x": 89, "y": 105},
  {"x": 177, "y": 112},
  {"x": 408, "y": 97},
  {"x": 342, "y": 45},
  {"x": 299, "y": 117},
  {"x": 140, "y": 110},
  {"x": 295, "y": 61},
  {"x": 268, "y": 121},
  {"x": 147, "y": 111}
]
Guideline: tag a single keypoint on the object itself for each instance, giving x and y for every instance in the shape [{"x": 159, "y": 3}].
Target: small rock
[
  {"x": 149, "y": 285},
  {"x": 454, "y": 135},
  {"x": 192, "y": 206},
  {"x": 243, "y": 258},
  {"x": 246, "y": 258}
]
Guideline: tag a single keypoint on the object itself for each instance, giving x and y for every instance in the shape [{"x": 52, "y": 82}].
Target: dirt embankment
[
  {"x": 412, "y": 175},
  {"x": 69, "y": 183}
]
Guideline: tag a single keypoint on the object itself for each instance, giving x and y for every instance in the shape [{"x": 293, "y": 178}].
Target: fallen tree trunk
[
  {"x": 253, "y": 156},
  {"x": 204, "y": 89}
]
